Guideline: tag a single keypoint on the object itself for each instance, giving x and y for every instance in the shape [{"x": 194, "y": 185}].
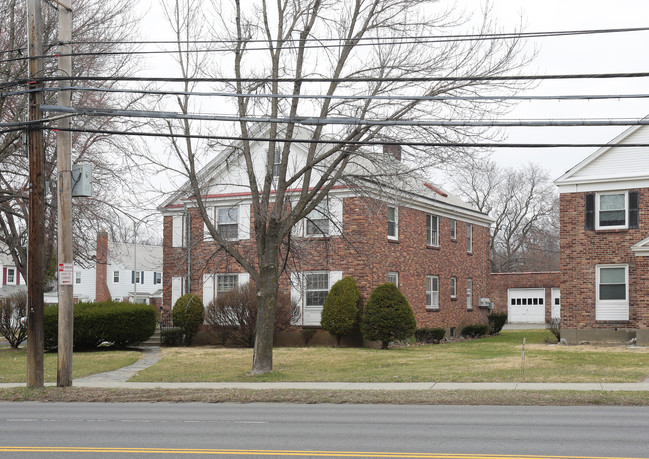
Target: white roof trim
[
  {"x": 641, "y": 249},
  {"x": 566, "y": 178}
]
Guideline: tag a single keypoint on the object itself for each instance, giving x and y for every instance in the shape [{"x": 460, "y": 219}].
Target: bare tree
[
  {"x": 340, "y": 77},
  {"x": 524, "y": 205},
  {"x": 97, "y": 25}
]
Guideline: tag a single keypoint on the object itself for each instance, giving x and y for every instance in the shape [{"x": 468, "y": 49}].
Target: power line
[
  {"x": 330, "y": 97},
  {"x": 310, "y": 121},
  {"x": 358, "y": 143}
]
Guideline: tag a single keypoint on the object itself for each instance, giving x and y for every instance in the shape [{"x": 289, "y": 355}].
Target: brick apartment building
[
  {"x": 605, "y": 243},
  {"x": 431, "y": 244}
]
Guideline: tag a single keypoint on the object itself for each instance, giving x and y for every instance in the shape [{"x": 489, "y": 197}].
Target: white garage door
[{"x": 526, "y": 305}]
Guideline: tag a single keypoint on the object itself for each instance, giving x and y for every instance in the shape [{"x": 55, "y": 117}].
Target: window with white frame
[
  {"x": 137, "y": 277},
  {"x": 393, "y": 278},
  {"x": 432, "y": 230},
  {"x": 316, "y": 289},
  {"x": 227, "y": 220},
  {"x": 469, "y": 237},
  {"x": 453, "y": 224},
  {"x": 115, "y": 277},
  {"x": 11, "y": 276},
  {"x": 612, "y": 210},
  {"x": 393, "y": 222},
  {"x": 317, "y": 222},
  {"x": 157, "y": 278},
  {"x": 77, "y": 278},
  {"x": 612, "y": 295},
  {"x": 453, "y": 287},
  {"x": 432, "y": 292},
  {"x": 469, "y": 293},
  {"x": 226, "y": 282}
]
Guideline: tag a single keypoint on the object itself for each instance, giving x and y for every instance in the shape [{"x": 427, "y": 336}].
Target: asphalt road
[{"x": 134, "y": 430}]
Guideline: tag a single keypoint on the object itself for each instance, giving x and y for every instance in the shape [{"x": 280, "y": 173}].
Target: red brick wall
[
  {"x": 499, "y": 283},
  {"x": 582, "y": 250},
  {"x": 366, "y": 254}
]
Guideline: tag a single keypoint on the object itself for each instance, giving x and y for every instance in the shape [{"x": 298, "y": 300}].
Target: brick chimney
[
  {"x": 101, "y": 285},
  {"x": 394, "y": 150}
]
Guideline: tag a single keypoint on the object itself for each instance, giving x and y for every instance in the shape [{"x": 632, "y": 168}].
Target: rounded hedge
[
  {"x": 341, "y": 310},
  {"x": 120, "y": 324},
  {"x": 388, "y": 316},
  {"x": 188, "y": 313},
  {"x": 496, "y": 322}
]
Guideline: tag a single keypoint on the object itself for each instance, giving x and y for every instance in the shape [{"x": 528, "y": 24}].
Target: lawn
[
  {"x": 13, "y": 364},
  {"x": 490, "y": 359}
]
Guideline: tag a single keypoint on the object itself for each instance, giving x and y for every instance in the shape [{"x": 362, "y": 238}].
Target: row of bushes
[
  {"x": 387, "y": 316},
  {"x": 118, "y": 324}
]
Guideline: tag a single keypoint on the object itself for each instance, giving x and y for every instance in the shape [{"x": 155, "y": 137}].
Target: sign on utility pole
[
  {"x": 64, "y": 188},
  {"x": 35, "y": 254}
]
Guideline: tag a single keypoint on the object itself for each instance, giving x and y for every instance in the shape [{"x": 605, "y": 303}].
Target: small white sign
[{"x": 66, "y": 273}]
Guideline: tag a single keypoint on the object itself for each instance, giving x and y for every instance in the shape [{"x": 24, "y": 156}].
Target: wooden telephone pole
[
  {"x": 35, "y": 255},
  {"x": 64, "y": 188}
]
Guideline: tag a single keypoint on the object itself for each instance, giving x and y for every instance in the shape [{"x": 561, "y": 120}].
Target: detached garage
[{"x": 526, "y": 305}]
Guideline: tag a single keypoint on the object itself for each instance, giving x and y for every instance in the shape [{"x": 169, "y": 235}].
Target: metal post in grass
[{"x": 523, "y": 361}]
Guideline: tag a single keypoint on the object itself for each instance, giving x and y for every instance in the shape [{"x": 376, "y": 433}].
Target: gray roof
[{"x": 148, "y": 257}]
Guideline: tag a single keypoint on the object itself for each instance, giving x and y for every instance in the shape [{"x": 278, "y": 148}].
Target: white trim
[
  {"x": 469, "y": 293},
  {"x": 611, "y": 309},
  {"x": 430, "y": 241},
  {"x": 469, "y": 238},
  {"x": 394, "y": 275},
  {"x": 178, "y": 231},
  {"x": 641, "y": 249},
  {"x": 453, "y": 287},
  {"x": 453, "y": 228}
]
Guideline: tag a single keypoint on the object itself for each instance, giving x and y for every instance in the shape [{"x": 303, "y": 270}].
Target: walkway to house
[{"x": 151, "y": 356}]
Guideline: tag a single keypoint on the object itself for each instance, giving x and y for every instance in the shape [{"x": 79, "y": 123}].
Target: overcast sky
[{"x": 607, "y": 53}]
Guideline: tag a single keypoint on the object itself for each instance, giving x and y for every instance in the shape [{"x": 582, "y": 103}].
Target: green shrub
[
  {"x": 388, "y": 316},
  {"x": 188, "y": 313},
  {"x": 496, "y": 322},
  {"x": 232, "y": 316},
  {"x": 341, "y": 310},
  {"x": 475, "y": 330},
  {"x": 430, "y": 335},
  {"x": 171, "y": 337},
  {"x": 120, "y": 324}
]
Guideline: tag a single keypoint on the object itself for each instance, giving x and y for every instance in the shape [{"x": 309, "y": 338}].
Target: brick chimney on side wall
[
  {"x": 394, "y": 150},
  {"x": 101, "y": 285}
]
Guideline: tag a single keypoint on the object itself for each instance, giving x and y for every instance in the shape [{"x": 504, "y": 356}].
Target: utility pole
[
  {"x": 64, "y": 220},
  {"x": 35, "y": 255}
]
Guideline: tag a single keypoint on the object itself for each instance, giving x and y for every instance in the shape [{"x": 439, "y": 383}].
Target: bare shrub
[
  {"x": 555, "y": 327},
  {"x": 12, "y": 308},
  {"x": 234, "y": 314}
]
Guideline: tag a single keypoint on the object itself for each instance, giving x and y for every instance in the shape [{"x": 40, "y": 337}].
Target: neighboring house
[
  {"x": 605, "y": 243},
  {"x": 12, "y": 281},
  {"x": 434, "y": 246}
]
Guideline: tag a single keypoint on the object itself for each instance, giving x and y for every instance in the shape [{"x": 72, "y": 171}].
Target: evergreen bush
[
  {"x": 119, "y": 324},
  {"x": 475, "y": 330},
  {"x": 388, "y": 316},
  {"x": 341, "y": 310},
  {"x": 171, "y": 337},
  {"x": 188, "y": 313},
  {"x": 430, "y": 335},
  {"x": 496, "y": 322}
]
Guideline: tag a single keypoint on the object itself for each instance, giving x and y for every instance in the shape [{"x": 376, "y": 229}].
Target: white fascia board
[
  {"x": 593, "y": 156},
  {"x": 584, "y": 185},
  {"x": 641, "y": 249}
]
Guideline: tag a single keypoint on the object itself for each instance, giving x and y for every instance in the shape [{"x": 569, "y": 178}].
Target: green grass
[
  {"x": 13, "y": 364},
  {"x": 491, "y": 359}
]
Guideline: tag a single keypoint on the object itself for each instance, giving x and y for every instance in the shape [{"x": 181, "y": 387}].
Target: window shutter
[
  {"x": 132, "y": 277},
  {"x": 336, "y": 212},
  {"x": 208, "y": 288},
  {"x": 590, "y": 211},
  {"x": 334, "y": 276},
  {"x": 17, "y": 277},
  {"x": 141, "y": 277},
  {"x": 155, "y": 278},
  {"x": 634, "y": 209},
  {"x": 244, "y": 278},
  {"x": 206, "y": 232},
  {"x": 4, "y": 276},
  {"x": 244, "y": 221},
  {"x": 177, "y": 239}
]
